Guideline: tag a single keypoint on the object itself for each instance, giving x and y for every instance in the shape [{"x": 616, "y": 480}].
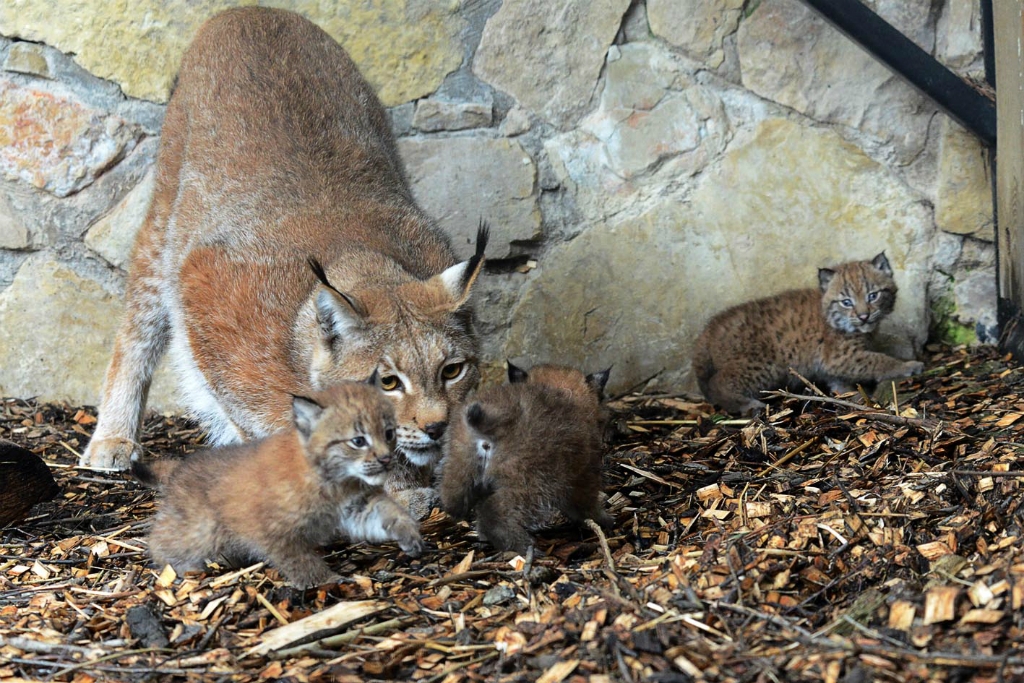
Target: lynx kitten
[
  {"x": 522, "y": 451},
  {"x": 822, "y": 334},
  {"x": 279, "y": 498}
]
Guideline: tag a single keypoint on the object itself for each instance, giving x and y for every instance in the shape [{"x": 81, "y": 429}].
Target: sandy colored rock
[
  {"x": 28, "y": 58},
  {"x": 653, "y": 118},
  {"x": 434, "y": 115},
  {"x": 113, "y": 236},
  {"x": 696, "y": 26},
  {"x": 404, "y": 47},
  {"x": 55, "y": 143},
  {"x": 635, "y": 293},
  {"x": 964, "y": 195},
  {"x": 57, "y": 332},
  {"x": 461, "y": 181},
  {"x": 791, "y": 56},
  {"x": 548, "y": 53},
  {"x": 13, "y": 233}
]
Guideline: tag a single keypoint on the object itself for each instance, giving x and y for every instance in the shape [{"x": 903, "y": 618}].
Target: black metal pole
[{"x": 966, "y": 105}]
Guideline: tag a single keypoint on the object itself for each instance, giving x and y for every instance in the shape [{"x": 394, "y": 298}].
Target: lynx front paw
[
  {"x": 418, "y": 501},
  {"x": 407, "y": 533},
  {"x": 912, "y": 367},
  {"x": 109, "y": 454}
]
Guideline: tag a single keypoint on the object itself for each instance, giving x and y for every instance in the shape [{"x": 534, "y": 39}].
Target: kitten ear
[
  {"x": 475, "y": 415},
  {"x": 881, "y": 263},
  {"x": 825, "y": 276},
  {"x": 515, "y": 374},
  {"x": 598, "y": 380},
  {"x": 458, "y": 280},
  {"x": 305, "y": 414},
  {"x": 337, "y": 314}
]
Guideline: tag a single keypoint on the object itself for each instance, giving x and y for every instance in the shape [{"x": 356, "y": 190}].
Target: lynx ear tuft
[
  {"x": 337, "y": 313},
  {"x": 305, "y": 414},
  {"x": 598, "y": 380},
  {"x": 881, "y": 263},
  {"x": 516, "y": 375},
  {"x": 458, "y": 279},
  {"x": 825, "y": 276}
]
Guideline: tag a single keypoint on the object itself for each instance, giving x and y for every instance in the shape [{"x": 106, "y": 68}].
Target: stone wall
[{"x": 642, "y": 165}]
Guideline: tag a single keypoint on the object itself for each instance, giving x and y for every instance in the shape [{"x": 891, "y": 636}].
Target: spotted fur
[{"x": 823, "y": 334}]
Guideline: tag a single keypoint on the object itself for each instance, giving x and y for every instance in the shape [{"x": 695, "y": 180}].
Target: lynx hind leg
[
  {"x": 183, "y": 541},
  {"x": 140, "y": 343},
  {"x": 380, "y": 518},
  {"x": 502, "y": 524},
  {"x": 727, "y": 390},
  {"x": 301, "y": 565}
]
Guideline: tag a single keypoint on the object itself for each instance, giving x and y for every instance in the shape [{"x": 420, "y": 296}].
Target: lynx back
[{"x": 283, "y": 251}]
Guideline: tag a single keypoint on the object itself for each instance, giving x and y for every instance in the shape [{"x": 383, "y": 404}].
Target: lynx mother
[{"x": 277, "y": 157}]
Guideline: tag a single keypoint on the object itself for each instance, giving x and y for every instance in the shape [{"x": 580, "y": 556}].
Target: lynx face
[
  {"x": 417, "y": 338},
  {"x": 856, "y": 296},
  {"x": 348, "y": 432}
]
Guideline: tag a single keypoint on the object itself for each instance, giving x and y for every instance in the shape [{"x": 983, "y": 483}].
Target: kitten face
[
  {"x": 856, "y": 296},
  {"x": 352, "y": 437}
]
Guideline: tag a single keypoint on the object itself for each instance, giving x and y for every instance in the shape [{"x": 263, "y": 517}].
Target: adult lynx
[{"x": 276, "y": 152}]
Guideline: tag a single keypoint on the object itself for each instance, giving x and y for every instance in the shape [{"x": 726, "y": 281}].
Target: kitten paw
[
  {"x": 912, "y": 368},
  {"x": 418, "y": 501},
  {"x": 109, "y": 454},
  {"x": 407, "y": 533}
]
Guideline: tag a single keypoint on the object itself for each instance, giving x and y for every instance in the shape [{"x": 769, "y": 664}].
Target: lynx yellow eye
[
  {"x": 390, "y": 383},
  {"x": 452, "y": 370}
]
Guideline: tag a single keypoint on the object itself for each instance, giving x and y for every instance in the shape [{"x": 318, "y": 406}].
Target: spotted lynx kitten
[
  {"x": 523, "y": 451},
  {"x": 279, "y": 498},
  {"x": 823, "y": 334}
]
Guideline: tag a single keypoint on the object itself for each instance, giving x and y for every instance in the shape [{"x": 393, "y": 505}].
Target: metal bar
[{"x": 967, "y": 106}]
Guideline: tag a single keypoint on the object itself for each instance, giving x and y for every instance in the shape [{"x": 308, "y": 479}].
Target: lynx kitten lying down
[
  {"x": 523, "y": 451},
  {"x": 279, "y": 498},
  {"x": 821, "y": 333}
]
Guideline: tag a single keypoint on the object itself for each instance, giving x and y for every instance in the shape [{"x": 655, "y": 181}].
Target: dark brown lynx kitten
[
  {"x": 523, "y": 451},
  {"x": 822, "y": 334},
  {"x": 279, "y": 498}
]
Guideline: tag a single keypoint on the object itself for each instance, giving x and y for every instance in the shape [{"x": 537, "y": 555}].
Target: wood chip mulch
[{"x": 821, "y": 542}]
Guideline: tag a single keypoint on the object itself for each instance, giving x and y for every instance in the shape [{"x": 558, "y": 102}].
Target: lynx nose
[
  {"x": 863, "y": 317},
  {"x": 435, "y": 430},
  {"x": 384, "y": 459}
]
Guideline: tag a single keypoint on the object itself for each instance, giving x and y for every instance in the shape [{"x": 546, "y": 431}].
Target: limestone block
[
  {"x": 959, "y": 39},
  {"x": 28, "y": 58},
  {"x": 913, "y": 18},
  {"x": 652, "y": 117},
  {"x": 113, "y": 236},
  {"x": 789, "y": 55},
  {"x": 548, "y": 53},
  {"x": 55, "y": 143},
  {"x": 13, "y": 233},
  {"x": 460, "y": 181},
  {"x": 434, "y": 115},
  {"x": 963, "y": 197},
  {"x": 404, "y": 47},
  {"x": 57, "y": 332},
  {"x": 696, "y": 26},
  {"x": 783, "y": 201},
  {"x": 516, "y": 122}
]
